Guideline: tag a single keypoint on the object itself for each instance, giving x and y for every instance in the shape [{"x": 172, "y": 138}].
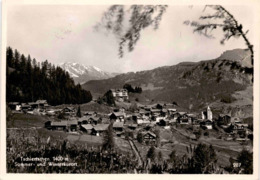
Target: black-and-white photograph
[{"x": 130, "y": 89}]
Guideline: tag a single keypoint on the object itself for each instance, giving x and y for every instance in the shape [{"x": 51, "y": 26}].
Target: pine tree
[{"x": 79, "y": 112}]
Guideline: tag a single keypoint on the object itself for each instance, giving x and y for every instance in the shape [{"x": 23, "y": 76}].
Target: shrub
[{"x": 227, "y": 99}]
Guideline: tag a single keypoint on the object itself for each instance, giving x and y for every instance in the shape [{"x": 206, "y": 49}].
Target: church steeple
[{"x": 209, "y": 114}]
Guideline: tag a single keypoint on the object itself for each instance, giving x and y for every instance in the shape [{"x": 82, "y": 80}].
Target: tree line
[{"x": 29, "y": 80}]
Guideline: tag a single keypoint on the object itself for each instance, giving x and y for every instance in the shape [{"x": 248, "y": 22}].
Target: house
[
  {"x": 94, "y": 120},
  {"x": 159, "y": 118},
  {"x": 149, "y": 138},
  {"x": 132, "y": 126},
  {"x": 163, "y": 122},
  {"x": 69, "y": 110},
  {"x": 206, "y": 124},
  {"x": 47, "y": 125},
  {"x": 183, "y": 118},
  {"x": 120, "y": 94},
  {"x": 155, "y": 112},
  {"x": 14, "y": 106},
  {"x": 33, "y": 105},
  {"x": 25, "y": 107},
  {"x": 59, "y": 125},
  {"x": 117, "y": 116},
  {"x": 138, "y": 118},
  {"x": 87, "y": 128},
  {"x": 224, "y": 119},
  {"x": 164, "y": 112},
  {"x": 118, "y": 126},
  {"x": 90, "y": 113},
  {"x": 144, "y": 112},
  {"x": 105, "y": 120},
  {"x": 171, "y": 111},
  {"x": 83, "y": 120},
  {"x": 99, "y": 129},
  {"x": 235, "y": 120},
  {"x": 42, "y": 104},
  {"x": 174, "y": 115},
  {"x": 241, "y": 129},
  {"x": 72, "y": 125}
]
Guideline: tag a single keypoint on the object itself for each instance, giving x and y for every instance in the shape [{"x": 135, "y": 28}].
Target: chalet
[
  {"x": 164, "y": 112},
  {"x": 69, "y": 110},
  {"x": 119, "y": 109},
  {"x": 191, "y": 118},
  {"x": 146, "y": 121},
  {"x": 240, "y": 128},
  {"x": 144, "y": 112},
  {"x": 196, "y": 123},
  {"x": 138, "y": 119},
  {"x": 72, "y": 125},
  {"x": 87, "y": 128},
  {"x": 224, "y": 119},
  {"x": 33, "y": 105},
  {"x": 171, "y": 111},
  {"x": 118, "y": 126},
  {"x": 117, "y": 116},
  {"x": 25, "y": 107},
  {"x": 99, "y": 129},
  {"x": 156, "y": 112},
  {"x": 14, "y": 106},
  {"x": 120, "y": 94},
  {"x": 50, "y": 112},
  {"x": 183, "y": 118},
  {"x": 59, "y": 125},
  {"x": 149, "y": 138},
  {"x": 105, "y": 120},
  {"x": 42, "y": 104},
  {"x": 159, "y": 118},
  {"x": 206, "y": 124},
  {"x": 47, "y": 125},
  {"x": 235, "y": 120},
  {"x": 174, "y": 115},
  {"x": 90, "y": 113},
  {"x": 132, "y": 126},
  {"x": 172, "y": 121},
  {"x": 163, "y": 122},
  {"x": 94, "y": 120},
  {"x": 83, "y": 120}
]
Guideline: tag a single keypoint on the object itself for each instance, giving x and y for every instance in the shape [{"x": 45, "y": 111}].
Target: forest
[{"x": 28, "y": 80}]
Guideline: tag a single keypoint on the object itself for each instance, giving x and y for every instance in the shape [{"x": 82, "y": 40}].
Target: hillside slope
[{"x": 192, "y": 84}]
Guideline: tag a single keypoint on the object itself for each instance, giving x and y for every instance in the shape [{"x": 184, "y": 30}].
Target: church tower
[{"x": 209, "y": 114}]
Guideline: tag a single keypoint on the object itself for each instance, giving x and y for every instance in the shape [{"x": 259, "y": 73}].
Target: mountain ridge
[
  {"x": 83, "y": 73},
  {"x": 192, "y": 84}
]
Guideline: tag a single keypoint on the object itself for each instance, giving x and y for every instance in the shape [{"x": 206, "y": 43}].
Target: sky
[{"x": 65, "y": 33}]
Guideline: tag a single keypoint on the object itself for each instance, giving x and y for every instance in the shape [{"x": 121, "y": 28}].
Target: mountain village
[{"x": 143, "y": 127}]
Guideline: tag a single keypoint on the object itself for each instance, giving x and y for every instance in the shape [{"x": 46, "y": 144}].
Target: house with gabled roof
[
  {"x": 59, "y": 125},
  {"x": 99, "y": 129},
  {"x": 149, "y": 137},
  {"x": 117, "y": 116},
  {"x": 72, "y": 125},
  {"x": 87, "y": 128},
  {"x": 118, "y": 126},
  {"x": 120, "y": 94}
]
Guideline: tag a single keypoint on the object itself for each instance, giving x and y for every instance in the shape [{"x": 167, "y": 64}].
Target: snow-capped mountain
[{"x": 82, "y": 73}]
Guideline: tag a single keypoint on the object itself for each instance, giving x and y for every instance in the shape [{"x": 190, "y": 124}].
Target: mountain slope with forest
[
  {"x": 29, "y": 80},
  {"x": 192, "y": 84}
]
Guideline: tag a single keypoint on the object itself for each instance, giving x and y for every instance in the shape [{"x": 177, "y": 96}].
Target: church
[{"x": 207, "y": 115}]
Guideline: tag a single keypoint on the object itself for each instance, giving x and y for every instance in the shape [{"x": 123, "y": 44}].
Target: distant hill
[
  {"x": 192, "y": 84},
  {"x": 81, "y": 73}
]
